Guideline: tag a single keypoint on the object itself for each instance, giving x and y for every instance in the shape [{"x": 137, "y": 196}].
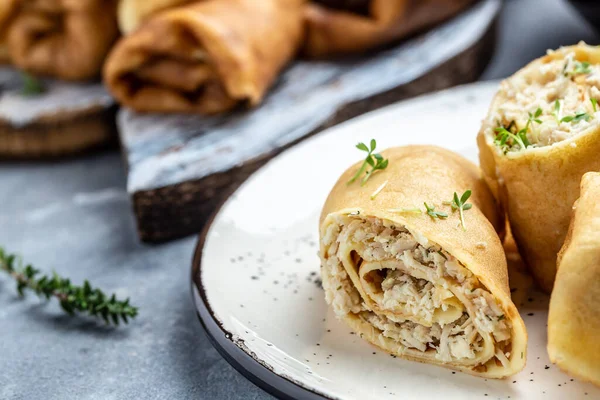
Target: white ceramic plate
[{"x": 257, "y": 288}]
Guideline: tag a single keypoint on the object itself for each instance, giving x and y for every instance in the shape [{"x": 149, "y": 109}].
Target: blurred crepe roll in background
[
  {"x": 574, "y": 321},
  {"x": 206, "y": 57},
  {"x": 6, "y": 8},
  {"x": 542, "y": 133},
  {"x": 351, "y": 26},
  {"x": 132, "y": 13},
  {"x": 423, "y": 289},
  {"x": 65, "y": 39}
]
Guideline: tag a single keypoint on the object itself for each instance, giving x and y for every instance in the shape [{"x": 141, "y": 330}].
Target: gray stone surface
[{"x": 74, "y": 216}]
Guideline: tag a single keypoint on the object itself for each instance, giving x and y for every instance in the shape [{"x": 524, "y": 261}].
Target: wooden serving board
[
  {"x": 67, "y": 119},
  {"x": 180, "y": 167}
]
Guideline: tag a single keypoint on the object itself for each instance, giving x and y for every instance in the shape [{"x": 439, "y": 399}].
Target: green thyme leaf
[
  {"x": 72, "y": 298},
  {"x": 594, "y": 104},
  {"x": 31, "y": 85}
]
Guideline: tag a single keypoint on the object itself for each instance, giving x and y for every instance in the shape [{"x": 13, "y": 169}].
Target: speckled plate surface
[{"x": 257, "y": 289}]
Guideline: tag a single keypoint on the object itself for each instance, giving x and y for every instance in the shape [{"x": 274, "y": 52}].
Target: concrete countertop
[{"x": 74, "y": 216}]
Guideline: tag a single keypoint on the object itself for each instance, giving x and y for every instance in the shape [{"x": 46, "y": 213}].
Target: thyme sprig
[
  {"x": 460, "y": 204},
  {"x": 375, "y": 160},
  {"x": 72, "y": 298},
  {"x": 32, "y": 86},
  {"x": 435, "y": 214}
]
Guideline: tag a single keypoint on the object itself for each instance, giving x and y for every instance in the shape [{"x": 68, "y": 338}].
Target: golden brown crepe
[
  {"x": 6, "y": 8},
  {"x": 421, "y": 288},
  {"x": 574, "y": 321},
  {"x": 132, "y": 13},
  {"x": 351, "y": 26},
  {"x": 205, "y": 57},
  {"x": 538, "y": 181},
  {"x": 65, "y": 39}
]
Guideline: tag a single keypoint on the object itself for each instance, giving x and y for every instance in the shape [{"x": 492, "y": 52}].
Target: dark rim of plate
[{"x": 241, "y": 358}]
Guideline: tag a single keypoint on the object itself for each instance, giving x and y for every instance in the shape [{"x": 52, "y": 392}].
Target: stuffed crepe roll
[
  {"x": 574, "y": 322},
  {"x": 132, "y": 13},
  {"x": 350, "y": 26},
  {"x": 65, "y": 39},
  {"x": 206, "y": 57},
  {"x": 541, "y": 135},
  {"x": 420, "y": 287}
]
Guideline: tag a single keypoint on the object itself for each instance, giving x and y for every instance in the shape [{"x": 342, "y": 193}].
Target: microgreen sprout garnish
[
  {"x": 503, "y": 136},
  {"x": 375, "y": 160},
  {"x": 581, "y": 68},
  {"x": 594, "y": 104},
  {"x": 557, "y": 110},
  {"x": 460, "y": 204},
  {"x": 533, "y": 118},
  {"x": 506, "y": 138},
  {"x": 577, "y": 117},
  {"x": 442, "y": 254},
  {"x": 435, "y": 214},
  {"x": 31, "y": 85},
  {"x": 378, "y": 190},
  {"x": 413, "y": 210}
]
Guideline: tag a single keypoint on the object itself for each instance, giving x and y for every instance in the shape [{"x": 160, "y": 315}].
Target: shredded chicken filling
[
  {"x": 545, "y": 104},
  {"x": 406, "y": 282}
]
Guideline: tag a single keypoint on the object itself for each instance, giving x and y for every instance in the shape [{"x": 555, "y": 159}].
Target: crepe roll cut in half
[
  {"x": 206, "y": 57},
  {"x": 132, "y": 13},
  {"x": 422, "y": 288},
  {"x": 64, "y": 39},
  {"x": 574, "y": 321},
  {"x": 542, "y": 133},
  {"x": 351, "y": 26}
]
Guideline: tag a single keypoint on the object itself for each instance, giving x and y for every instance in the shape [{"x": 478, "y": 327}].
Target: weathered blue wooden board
[{"x": 66, "y": 118}]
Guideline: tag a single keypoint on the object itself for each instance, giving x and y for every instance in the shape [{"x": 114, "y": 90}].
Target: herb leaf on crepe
[
  {"x": 84, "y": 299},
  {"x": 581, "y": 68},
  {"x": 374, "y": 160},
  {"x": 435, "y": 214},
  {"x": 577, "y": 117},
  {"x": 460, "y": 204}
]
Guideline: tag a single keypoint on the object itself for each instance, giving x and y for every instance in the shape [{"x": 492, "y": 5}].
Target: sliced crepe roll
[
  {"x": 206, "y": 57},
  {"x": 64, "y": 39},
  {"x": 542, "y": 133},
  {"x": 132, "y": 13},
  {"x": 422, "y": 288},
  {"x": 351, "y": 26},
  {"x": 574, "y": 322}
]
